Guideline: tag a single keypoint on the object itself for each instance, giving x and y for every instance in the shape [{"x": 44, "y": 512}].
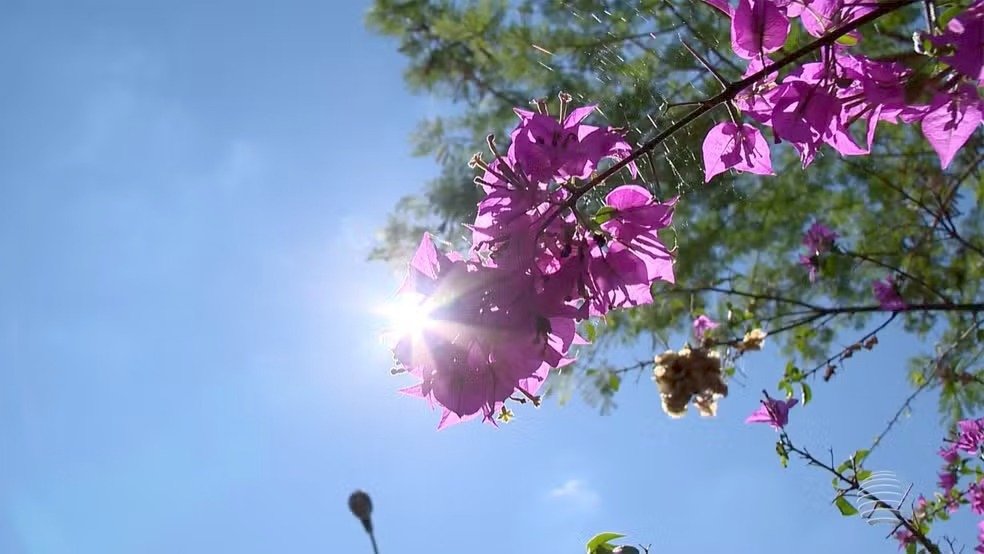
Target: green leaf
[
  {"x": 911, "y": 548},
  {"x": 601, "y": 539},
  {"x": 594, "y": 226},
  {"x": 783, "y": 455},
  {"x": 590, "y": 331},
  {"x": 860, "y": 456},
  {"x": 917, "y": 378},
  {"x": 604, "y": 214},
  {"x": 949, "y": 14},
  {"x": 793, "y": 373},
  {"x": 845, "y": 507},
  {"x": 614, "y": 381},
  {"x": 807, "y": 393},
  {"x": 847, "y": 40},
  {"x": 786, "y": 388},
  {"x": 863, "y": 475}
]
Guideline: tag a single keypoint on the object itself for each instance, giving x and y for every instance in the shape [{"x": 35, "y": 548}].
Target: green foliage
[
  {"x": 782, "y": 453},
  {"x": 860, "y": 456},
  {"x": 601, "y": 543},
  {"x": 893, "y": 209},
  {"x": 845, "y": 507}
]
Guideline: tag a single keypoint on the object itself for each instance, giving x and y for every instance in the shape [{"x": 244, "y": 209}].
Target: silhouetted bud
[{"x": 361, "y": 507}]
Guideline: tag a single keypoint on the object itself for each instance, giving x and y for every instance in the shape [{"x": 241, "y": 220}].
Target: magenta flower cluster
[
  {"x": 886, "y": 291},
  {"x": 701, "y": 326},
  {"x": 969, "y": 440},
  {"x": 502, "y": 315},
  {"x": 821, "y": 102},
  {"x": 818, "y": 239},
  {"x": 774, "y": 412}
]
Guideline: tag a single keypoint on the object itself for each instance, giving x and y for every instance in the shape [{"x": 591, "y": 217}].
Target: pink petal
[
  {"x": 756, "y": 157},
  {"x": 524, "y": 114},
  {"x": 425, "y": 258},
  {"x": 950, "y": 124},
  {"x": 628, "y": 196},
  {"x": 719, "y": 140},
  {"x": 577, "y": 115},
  {"x": 759, "y": 27},
  {"x": 726, "y": 146}
]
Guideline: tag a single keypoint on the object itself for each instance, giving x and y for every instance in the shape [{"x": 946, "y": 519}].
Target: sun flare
[{"x": 406, "y": 315}]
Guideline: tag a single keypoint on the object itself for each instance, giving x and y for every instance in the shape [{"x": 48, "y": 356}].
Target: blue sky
[{"x": 188, "y": 356}]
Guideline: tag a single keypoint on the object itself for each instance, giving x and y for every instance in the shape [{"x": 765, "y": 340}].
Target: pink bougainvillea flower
[
  {"x": 774, "y": 412},
  {"x": 485, "y": 338},
  {"x": 821, "y": 16},
  {"x": 953, "y": 499},
  {"x": 812, "y": 264},
  {"x": 919, "y": 510},
  {"x": 980, "y": 538},
  {"x": 622, "y": 268},
  {"x": 549, "y": 150},
  {"x": 905, "y": 538},
  {"x": 758, "y": 28},
  {"x": 887, "y": 294},
  {"x": 964, "y": 37},
  {"x": 756, "y": 101},
  {"x": 819, "y": 238},
  {"x": 883, "y": 85},
  {"x": 503, "y": 206},
  {"x": 636, "y": 213},
  {"x": 971, "y": 435},
  {"x": 882, "y": 82},
  {"x": 949, "y": 454},
  {"x": 702, "y": 325},
  {"x": 951, "y": 120},
  {"x": 728, "y": 146},
  {"x": 947, "y": 480},
  {"x": 618, "y": 277},
  {"x": 808, "y": 115},
  {"x": 975, "y": 493}
]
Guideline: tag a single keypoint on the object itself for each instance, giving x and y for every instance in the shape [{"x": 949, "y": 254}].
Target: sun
[{"x": 408, "y": 314}]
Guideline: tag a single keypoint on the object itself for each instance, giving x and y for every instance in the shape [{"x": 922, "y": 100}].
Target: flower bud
[{"x": 361, "y": 507}]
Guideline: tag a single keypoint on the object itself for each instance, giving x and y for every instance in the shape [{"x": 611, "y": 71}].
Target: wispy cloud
[{"x": 576, "y": 492}]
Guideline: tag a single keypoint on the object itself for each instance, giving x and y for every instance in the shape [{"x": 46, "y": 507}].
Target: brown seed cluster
[{"x": 690, "y": 375}]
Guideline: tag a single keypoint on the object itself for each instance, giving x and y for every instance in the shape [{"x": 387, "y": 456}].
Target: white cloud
[{"x": 577, "y": 493}]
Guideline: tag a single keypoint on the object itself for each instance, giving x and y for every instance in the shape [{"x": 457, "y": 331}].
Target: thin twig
[
  {"x": 840, "y": 354},
  {"x": 853, "y": 485}
]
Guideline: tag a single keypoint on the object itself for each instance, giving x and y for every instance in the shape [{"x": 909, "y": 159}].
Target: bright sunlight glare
[{"x": 406, "y": 315}]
